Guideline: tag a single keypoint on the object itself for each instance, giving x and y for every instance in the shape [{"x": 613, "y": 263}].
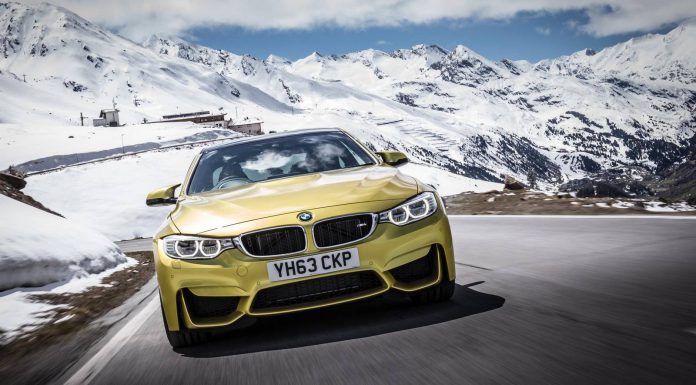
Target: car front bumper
[{"x": 230, "y": 285}]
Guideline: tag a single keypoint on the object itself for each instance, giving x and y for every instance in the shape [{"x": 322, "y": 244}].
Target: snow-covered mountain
[
  {"x": 71, "y": 65},
  {"x": 630, "y": 106}
]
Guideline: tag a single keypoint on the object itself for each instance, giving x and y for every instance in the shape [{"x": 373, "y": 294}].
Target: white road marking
[
  {"x": 87, "y": 372},
  {"x": 473, "y": 266}
]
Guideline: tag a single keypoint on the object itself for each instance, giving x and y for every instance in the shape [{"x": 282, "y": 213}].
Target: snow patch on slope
[
  {"x": 19, "y": 141},
  {"x": 447, "y": 183},
  {"x": 109, "y": 197},
  {"x": 37, "y": 248}
]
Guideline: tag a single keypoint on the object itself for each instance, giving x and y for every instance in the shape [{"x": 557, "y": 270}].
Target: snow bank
[
  {"x": 447, "y": 183},
  {"x": 661, "y": 207},
  {"x": 109, "y": 197},
  {"x": 37, "y": 248},
  {"x": 21, "y": 314}
]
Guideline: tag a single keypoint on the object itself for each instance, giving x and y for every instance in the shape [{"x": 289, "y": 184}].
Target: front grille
[
  {"x": 420, "y": 268},
  {"x": 318, "y": 289},
  {"x": 342, "y": 230},
  {"x": 208, "y": 307},
  {"x": 283, "y": 240}
]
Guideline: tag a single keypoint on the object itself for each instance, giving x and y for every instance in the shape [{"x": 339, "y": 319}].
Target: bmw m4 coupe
[{"x": 288, "y": 222}]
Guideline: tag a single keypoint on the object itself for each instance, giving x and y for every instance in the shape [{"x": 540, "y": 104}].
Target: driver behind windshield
[
  {"x": 231, "y": 175},
  {"x": 269, "y": 158},
  {"x": 231, "y": 170}
]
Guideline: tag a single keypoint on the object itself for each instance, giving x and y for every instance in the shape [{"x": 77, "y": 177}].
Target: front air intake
[
  {"x": 273, "y": 242},
  {"x": 343, "y": 230},
  {"x": 315, "y": 290},
  {"x": 424, "y": 267},
  {"x": 209, "y": 307}
]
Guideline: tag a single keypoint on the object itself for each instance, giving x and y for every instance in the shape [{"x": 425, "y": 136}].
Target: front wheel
[
  {"x": 438, "y": 293},
  {"x": 183, "y": 337}
]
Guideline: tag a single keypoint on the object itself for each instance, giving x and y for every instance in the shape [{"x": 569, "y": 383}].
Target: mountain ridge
[{"x": 625, "y": 108}]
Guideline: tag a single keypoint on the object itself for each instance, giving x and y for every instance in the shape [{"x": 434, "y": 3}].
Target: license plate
[{"x": 313, "y": 264}]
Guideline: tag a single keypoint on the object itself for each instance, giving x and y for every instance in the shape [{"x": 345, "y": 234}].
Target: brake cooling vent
[
  {"x": 209, "y": 307},
  {"x": 419, "y": 269}
]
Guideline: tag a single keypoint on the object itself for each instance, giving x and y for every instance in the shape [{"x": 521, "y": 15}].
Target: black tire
[
  {"x": 183, "y": 337},
  {"x": 441, "y": 292}
]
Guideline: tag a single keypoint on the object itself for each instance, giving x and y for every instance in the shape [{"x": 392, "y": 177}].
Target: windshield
[{"x": 256, "y": 161}]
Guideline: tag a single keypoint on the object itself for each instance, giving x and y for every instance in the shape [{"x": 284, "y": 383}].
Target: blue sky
[
  {"x": 528, "y": 29},
  {"x": 530, "y": 36}
]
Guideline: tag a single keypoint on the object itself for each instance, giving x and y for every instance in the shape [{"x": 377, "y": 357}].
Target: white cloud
[
  {"x": 546, "y": 31},
  {"x": 139, "y": 18},
  {"x": 636, "y": 15},
  {"x": 383, "y": 42},
  {"x": 571, "y": 24}
]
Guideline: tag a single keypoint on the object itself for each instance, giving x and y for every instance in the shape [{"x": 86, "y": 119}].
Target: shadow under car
[{"x": 388, "y": 313}]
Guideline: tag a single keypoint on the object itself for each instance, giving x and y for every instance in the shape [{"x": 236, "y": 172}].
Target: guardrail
[
  {"x": 390, "y": 122},
  {"x": 127, "y": 154}
]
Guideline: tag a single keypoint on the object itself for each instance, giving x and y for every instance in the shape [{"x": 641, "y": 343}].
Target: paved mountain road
[
  {"x": 540, "y": 300},
  {"x": 140, "y": 244}
]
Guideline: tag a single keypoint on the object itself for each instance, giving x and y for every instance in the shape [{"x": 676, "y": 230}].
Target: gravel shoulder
[
  {"x": 524, "y": 202},
  {"x": 79, "y": 320}
]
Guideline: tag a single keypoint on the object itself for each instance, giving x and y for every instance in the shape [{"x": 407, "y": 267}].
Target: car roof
[{"x": 257, "y": 138}]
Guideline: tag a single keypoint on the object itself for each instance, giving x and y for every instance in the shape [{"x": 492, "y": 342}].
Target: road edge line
[{"x": 99, "y": 360}]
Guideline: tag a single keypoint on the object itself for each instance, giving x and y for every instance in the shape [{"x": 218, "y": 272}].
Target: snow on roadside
[
  {"x": 622, "y": 205},
  {"x": 661, "y": 207},
  {"x": 445, "y": 182},
  {"x": 21, "y": 314},
  {"x": 651, "y": 206},
  {"x": 110, "y": 196},
  {"x": 38, "y": 248},
  {"x": 44, "y": 253}
]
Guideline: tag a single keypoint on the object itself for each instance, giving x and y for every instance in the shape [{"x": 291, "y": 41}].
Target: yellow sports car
[{"x": 294, "y": 221}]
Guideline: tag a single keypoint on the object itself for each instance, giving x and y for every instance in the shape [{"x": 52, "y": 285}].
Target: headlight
[
  {"x": 415, "y": 209},
  {"x": 189, "y": 247}
]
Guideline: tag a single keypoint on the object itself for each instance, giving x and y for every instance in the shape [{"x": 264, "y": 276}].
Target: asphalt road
[
  {"x": 140, "y": 244},
  {"x": 539, "y": 301}
]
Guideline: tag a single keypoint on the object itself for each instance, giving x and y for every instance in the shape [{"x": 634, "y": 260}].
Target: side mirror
[
  {"x": 393, "y": 158},
  {"x": 162, "y": 197}
]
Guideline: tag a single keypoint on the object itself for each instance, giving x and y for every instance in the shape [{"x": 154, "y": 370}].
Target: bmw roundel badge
[{"x": 305, "y": 216}]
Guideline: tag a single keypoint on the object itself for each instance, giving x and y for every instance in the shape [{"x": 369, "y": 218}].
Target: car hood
[{"x": 211, "y": 210}]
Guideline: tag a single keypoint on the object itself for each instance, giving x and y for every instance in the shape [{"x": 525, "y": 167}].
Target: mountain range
[{"x": 628, "y": 109}]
